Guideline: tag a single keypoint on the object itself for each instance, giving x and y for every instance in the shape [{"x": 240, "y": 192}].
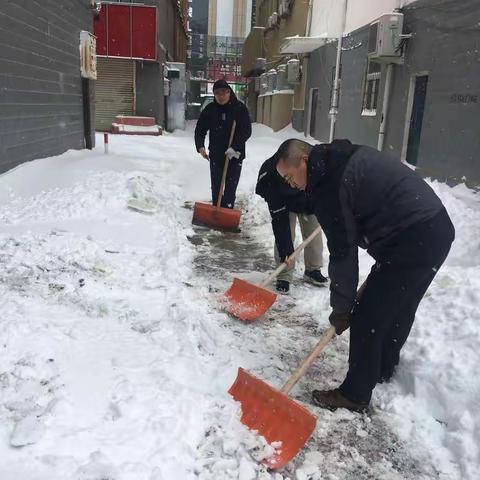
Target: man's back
[{"x": 385, "y": 196}]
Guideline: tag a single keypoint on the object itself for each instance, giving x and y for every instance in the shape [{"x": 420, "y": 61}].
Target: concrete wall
[
  {"x": 327, "y": 14},
  {"x": 446, "y": 46},
  {"x": 350, "y": 123},
  {"x": 41, "y": 112}
]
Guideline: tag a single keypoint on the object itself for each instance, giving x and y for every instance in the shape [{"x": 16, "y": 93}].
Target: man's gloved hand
[
  {"x": 204, "y": 153},
  {"x": 231, "y": 153},
  {"x": 341, "y": 321}
]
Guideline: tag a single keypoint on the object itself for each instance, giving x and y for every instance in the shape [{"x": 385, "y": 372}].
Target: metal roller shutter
[{"x": 114, "y": 90}]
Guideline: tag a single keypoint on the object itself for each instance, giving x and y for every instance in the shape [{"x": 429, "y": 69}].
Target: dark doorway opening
[{"x": 416, "y": 119}]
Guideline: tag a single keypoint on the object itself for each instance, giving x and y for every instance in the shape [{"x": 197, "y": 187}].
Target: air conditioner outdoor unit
[
  {"x": 384, "y": 38},
  {"x": 263, "y": 84},
  {"x": 293, "y": 71},
  {"x": 271, "y": 80},
  {"x": 282, "y": 83}
]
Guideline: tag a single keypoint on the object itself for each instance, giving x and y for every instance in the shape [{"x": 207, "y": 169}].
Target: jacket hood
[{"x": 224, "y": 84}]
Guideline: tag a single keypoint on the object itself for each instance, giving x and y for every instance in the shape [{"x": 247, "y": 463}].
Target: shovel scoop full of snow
[
  {"x": 216, "y": 217},
  {"x": 273, "y": 415},
  {"x": 247, "y": 301}
]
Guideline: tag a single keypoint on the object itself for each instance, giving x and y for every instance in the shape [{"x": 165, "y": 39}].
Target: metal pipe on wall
[
  {"x": 336, "y": 85},
  {"x": 385, "y": 105}
]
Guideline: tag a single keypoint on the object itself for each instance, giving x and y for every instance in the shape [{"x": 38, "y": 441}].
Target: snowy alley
[{"x": 116, "y": 356}]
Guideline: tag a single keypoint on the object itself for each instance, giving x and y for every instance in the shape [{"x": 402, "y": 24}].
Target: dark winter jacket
[
  {"x": 282, "y": 199},
  {"x": 218, "y": 120},
  {"x": 362, "y": 197}
]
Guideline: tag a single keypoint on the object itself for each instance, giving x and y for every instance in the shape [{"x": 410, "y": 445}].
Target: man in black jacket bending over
[
  {"x": 364, "y": 198},
  {"x": 218, "y": 117},
  {"x": 286, "y": 205}
]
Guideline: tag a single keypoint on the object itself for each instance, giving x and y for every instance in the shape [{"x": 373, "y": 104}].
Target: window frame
[{"x": 371, "y": 88}]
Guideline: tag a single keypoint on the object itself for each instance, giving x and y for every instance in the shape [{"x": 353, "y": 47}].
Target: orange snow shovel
[
  {"x": 247, "y": 301},
  {"x": 216, "y": 216},
  {"x": 273, "y": 414}
]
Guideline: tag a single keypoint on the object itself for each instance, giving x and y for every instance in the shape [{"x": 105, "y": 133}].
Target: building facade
[
  {"x": 198, "y": 16},
  {"x": 135, "y": 43},
  {"x": 275, "y": 98},
  {"x": 429, "y": 101},
  {"x": 229, "y": 18},
  {"x": 45, "y": 107}
]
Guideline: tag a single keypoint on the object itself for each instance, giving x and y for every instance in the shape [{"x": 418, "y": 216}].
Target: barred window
[{"x": 371, "y": 89}]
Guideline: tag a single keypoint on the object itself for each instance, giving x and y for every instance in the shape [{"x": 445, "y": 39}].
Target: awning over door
[
  {"x": 299, "y": 45},
  {"x": 114, "y": 90}
]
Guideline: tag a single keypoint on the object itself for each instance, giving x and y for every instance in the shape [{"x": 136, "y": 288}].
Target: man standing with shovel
[
  {"x": 364, "y": 198},
  {"x": 218, "y": 118},
  {"x": 286, "y": 205}
]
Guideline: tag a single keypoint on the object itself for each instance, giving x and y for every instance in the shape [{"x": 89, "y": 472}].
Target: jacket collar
[{"x": 327, "y": 158}]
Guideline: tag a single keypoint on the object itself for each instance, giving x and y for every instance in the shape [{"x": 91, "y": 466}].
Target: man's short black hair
[{"x": 291, "y": 150}]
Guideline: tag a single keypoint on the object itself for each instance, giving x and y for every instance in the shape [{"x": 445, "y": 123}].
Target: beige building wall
[
  {"x": 212, "y": 17},
  {"x": 281, "y": 108},
  {"x": 239, "y": 20}
]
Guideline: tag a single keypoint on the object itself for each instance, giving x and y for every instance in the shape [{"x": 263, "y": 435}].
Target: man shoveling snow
[
  {"x": 364, "y": 198},
  {"x": 218, "y": 118}
]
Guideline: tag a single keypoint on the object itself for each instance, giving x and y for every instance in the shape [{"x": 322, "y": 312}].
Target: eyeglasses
[{"x": 288, "y": 177}]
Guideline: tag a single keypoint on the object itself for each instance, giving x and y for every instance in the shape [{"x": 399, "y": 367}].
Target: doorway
[{"x": 419, "y": 87}]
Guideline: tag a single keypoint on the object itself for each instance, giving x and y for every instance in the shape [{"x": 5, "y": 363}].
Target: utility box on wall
[{"x": 88, "y": 55}]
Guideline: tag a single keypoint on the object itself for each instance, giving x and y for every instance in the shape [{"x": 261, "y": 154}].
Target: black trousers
[
  {"x": 217, "y": 163},
  {"x": 385, "y": 312}
]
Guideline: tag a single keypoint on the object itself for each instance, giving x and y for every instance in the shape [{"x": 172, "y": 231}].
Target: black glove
[{"x": 341, "y": 321}]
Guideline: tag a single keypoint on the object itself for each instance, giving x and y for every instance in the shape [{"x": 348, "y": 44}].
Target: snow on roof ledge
[{"x": 299, "y": 44}]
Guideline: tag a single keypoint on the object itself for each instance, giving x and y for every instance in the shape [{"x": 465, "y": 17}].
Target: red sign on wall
[{"x": 128, "y": 31}]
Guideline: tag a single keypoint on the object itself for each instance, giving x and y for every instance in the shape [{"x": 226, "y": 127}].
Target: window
[{"x": 371, "y": 89}]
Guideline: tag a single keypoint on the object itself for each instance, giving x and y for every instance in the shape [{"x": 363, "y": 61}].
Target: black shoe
[
  {"x": 333, "y": 399},
  {"x": 283, "y": 286},
  {"x": 315, "y": 277}
]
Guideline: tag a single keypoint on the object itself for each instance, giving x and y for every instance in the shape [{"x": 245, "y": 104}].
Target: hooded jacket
[
  {"x": 218, "y": 120},
  {"x": 362, "y": 198}
]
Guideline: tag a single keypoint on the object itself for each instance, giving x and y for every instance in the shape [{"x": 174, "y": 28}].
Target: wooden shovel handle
[
  {"x": 225, "y": 166},
  {"x": 327, "y": 336},
  {"x": 322, "y": 343},
  {"x": 282, "y": 267}
]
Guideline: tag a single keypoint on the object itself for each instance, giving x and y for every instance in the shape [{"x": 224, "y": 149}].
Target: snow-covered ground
[{"x": 116, "y": 358}]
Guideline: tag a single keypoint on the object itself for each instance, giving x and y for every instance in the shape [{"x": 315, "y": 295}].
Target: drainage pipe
[
  {"x": 336, "y": 85},
  {"x": 386, "y": 104}
]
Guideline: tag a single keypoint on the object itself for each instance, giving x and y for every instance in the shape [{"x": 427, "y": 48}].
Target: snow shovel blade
[
  {"x": 247, "y": 301},
  {"x": 216, "y": 217},
  {"x": 273, "y": 415}
]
